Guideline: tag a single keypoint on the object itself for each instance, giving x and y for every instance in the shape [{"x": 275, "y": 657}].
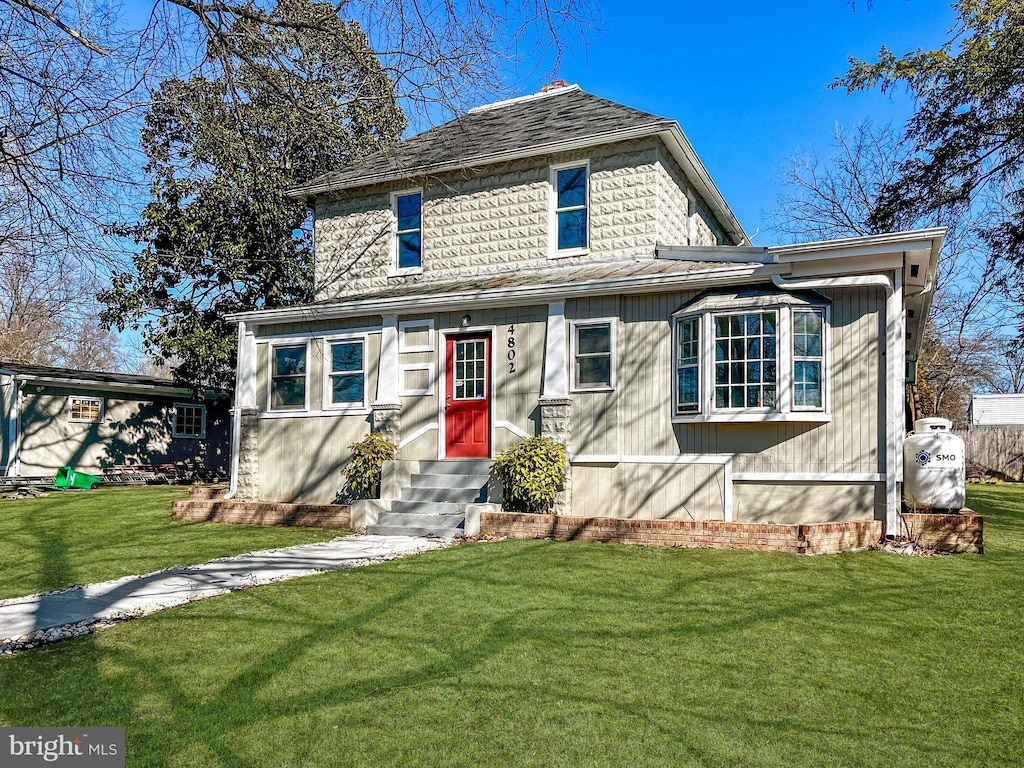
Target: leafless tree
[
  {"x": 75, "y": 81},
  {"x": 971, "y": 325}
]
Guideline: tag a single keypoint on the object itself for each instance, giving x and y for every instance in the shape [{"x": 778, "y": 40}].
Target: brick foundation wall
[
  {"x": 263, "y": 513},
  {"x": 812, "y": 539},
  {"x": 946, "y": 533},
  {"x": 206, "y": 492}
]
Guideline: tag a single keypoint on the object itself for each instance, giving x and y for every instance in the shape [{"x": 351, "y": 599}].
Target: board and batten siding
[
  {"x": 636, "y": 420},
  {"x": 301, "y": 454},
  {"x": 515, "y": 391}
]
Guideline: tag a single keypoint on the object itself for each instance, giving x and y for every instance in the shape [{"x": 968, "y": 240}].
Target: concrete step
[
  {"x": 448, "y": 481},
  {"x": 407, "y": 530},
  {"x": 421, "y": 520},
  {"x": 456, "y": 467},
  {"x": 461, "y": 495},
  {"x": 427, "y": 507}
]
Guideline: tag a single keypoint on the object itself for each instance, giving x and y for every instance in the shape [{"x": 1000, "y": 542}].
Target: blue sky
[{"x": 747, "y": 79}]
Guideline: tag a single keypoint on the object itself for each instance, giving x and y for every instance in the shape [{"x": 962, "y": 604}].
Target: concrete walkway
[{"x": 45, "y": 618}]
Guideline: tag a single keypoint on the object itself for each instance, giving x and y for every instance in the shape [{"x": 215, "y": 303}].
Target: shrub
[
  {"x": 362, "y": 471},
  {"x": 532, "y": 472}
]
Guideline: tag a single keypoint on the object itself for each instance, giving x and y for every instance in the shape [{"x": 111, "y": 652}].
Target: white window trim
[
  {"x": 404, "y": 326},
  {"x": 83, "y": 399},
  {"x": 553, "y": 252},
  {"x": 395, "y": 270},
  {"x": 270, "y": 374},
  {"x": 583, "y": 323},
  {"x": 404, "y": 391},
  {"x": 325, "y": 388},
  {"x": 185, "y": 435},
  {"x": 784, "y": 410}
]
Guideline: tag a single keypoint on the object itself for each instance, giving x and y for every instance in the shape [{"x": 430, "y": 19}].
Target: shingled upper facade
[{"x": 564, "y": 265}]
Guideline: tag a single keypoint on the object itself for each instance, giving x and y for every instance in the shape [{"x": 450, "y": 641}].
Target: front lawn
[
  {"x": 80, "y": 537},
  {"x": 538, "y": 653}
]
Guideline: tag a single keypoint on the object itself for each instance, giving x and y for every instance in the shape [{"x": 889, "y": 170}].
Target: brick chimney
[{"x": 554, "y": 85}]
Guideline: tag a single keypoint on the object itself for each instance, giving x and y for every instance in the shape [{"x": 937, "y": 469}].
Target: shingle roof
[
  {"x": 100, "y": 377},
  {"x": 520, "y": 125}
]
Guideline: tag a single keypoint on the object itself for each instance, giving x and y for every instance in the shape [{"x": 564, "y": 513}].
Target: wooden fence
[{"x": 996, "y": 450}]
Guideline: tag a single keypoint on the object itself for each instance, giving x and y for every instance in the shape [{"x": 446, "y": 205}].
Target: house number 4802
[{"x": 511, "y": 355}]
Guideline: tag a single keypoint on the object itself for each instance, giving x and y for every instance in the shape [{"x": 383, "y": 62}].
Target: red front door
[{"x": 467, "y": 414}]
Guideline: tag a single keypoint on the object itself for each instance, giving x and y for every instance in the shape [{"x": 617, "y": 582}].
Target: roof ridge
[{"x": 542, "y": 94}]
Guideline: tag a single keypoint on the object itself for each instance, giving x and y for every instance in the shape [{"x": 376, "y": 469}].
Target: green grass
[
  {"x": 536, "y": 653},
  {"x": 80, "y": 537}
]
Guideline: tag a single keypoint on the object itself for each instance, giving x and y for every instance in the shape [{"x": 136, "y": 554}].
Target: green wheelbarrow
[{"x": 69, "y": 478}]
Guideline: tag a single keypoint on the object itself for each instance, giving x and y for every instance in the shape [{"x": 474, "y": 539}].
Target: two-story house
[{"x": 560, "y": 264}]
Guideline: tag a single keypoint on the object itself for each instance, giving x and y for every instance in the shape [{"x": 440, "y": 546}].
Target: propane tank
[{"x": 934, "y": 467}]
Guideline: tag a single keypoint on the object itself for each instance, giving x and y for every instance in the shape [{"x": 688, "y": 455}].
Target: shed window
[
  {"x": 288, "y": 378},
  {"x": 85, "y": 409},
  {"x": 189, "y": 420}
]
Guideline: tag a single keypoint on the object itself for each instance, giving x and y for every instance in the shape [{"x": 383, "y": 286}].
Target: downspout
[
  {"x": 894, "y": 406},
  {"x": 236, "y": 416}
]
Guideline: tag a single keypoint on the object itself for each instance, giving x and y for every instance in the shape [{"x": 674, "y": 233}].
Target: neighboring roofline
[
  {"x": 668, "y": 130},
  {"x": 80, "y": 382},
  {"x": 984, "y": 395},
  {"x": 480, "y": 298}
]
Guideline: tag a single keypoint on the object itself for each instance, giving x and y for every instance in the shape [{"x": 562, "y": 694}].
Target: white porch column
[
  {"x": 246, "y": 388},
  {"x": 387, "y": 371},
  {"x": 894, "y": 394},
  {"x": 555, "y": 379}
]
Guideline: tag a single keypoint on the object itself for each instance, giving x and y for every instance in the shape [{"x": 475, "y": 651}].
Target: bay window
[{"x": 754, "y": 354}]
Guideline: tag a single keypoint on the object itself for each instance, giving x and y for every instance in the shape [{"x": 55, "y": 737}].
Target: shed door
[{"x": 467, "y": 415}]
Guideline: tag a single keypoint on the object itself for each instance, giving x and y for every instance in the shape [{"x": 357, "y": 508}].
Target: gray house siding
[{"x": 132, "y": 430}]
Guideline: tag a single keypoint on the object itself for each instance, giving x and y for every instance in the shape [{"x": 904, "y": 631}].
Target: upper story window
[
  {"x": 189, "y": 420},
  {"x": 571, "y": 198},
  {"x": 85, "y": 409},
  {"x": 345, "y": 374},
  {"x": 593, "y": 353},
  {"x": 288, "y": 389},
  {"x": 407, "y": 210},
  {"x": 751, "y": 355}
]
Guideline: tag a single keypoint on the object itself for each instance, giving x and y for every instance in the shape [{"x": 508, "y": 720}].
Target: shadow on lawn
[{"x": 527, "y": 608}]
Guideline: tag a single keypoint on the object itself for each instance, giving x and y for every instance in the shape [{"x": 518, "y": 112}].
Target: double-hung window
[
  {"x": 593, "y": 352},
  {"x": 288, "y": 388},
  {"x": 756, "y": 354},
  {"x": 808, "y": 358},
  {"x": 571, "y": 198},
  {"x": 345, "y": 374},
  {"x": 407, "y": 212}
]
